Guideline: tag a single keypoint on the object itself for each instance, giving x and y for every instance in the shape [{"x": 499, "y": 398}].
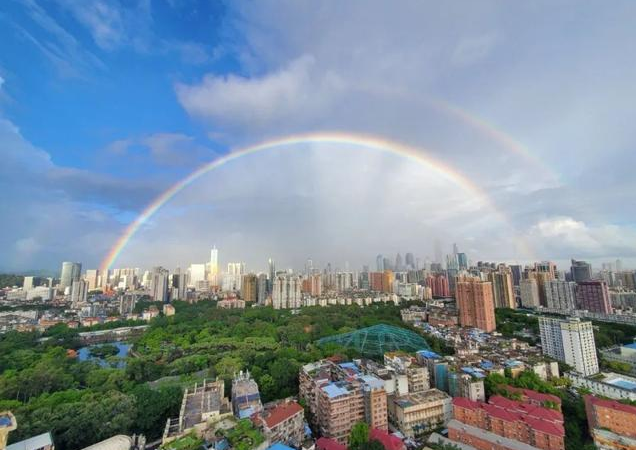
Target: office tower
[
  {"x": 437, "y": 251},
  {"x": 529, "y": 292},
  {"x": 619, "y": 265},
  {"x": 516, "y": 270},
  {"x": 197, "y": 274},
  {"x": 387, "y": 264},
  {"x": 593, "y": 296},
  {"x": 272, "y": 273},
  {"x": 70, "y": 272},
  {"x": 398, "y": 263},
  {"x": 159, "y": 284},
  {"x": 451, "y": 262},
  {"x": 475, "y": 304},
  {"x": 286, "y": 292},
  {"x": 410, "y": 261},
  {"x": 179, "y": 285},
  {"x": 561, "y": 294},
  {"x": 79, "y": 293},
  {"x": 503, "y": 293},
  {"x": 462, "y": 261},
  {"x": 213, "y": 269},
  {"x": 261, "y": 289},
  {"x": 249, "y": 288},
  {"x": 92, "y": 278},
  {"x": 379, "y": 263},
  {"x": 309, "y": 267},
  {"x": 570, "y": 341},
  {"x": 580, "y": 271},
  {"x": 27, "y": 283}
]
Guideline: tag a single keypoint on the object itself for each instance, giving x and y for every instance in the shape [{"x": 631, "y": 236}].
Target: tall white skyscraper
[
  {"x": 570, "y": 341},
  {"x": 213, "y": 269},
  {"x": 70, "y": 272},
  {"x": 197, "y": 274}
]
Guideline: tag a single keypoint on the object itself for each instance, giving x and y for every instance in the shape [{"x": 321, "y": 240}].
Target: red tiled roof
[
  {"x": 612, "y": 404},
  {"x": 281, "y": 413},
  {"x": 500, "y": 413},
  {"x": 544, "y": 426},
  {"x": 534, "y": 395},
  {"x": 464, "y": 402},
  {"x": 324, "y": 443},
  {"x": 389, "y": 441}
]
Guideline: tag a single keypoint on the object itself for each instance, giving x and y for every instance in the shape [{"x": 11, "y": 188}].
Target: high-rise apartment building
[
  {"x": 261, "y": 289},
  {"x": 312, "y": 285},
  {"x": 503, "y": 292},
  {"x": 79, "y": 293},
  {"x": 571, "y": 341},
  {"x": 197, "y": 274},
  {"x": 593, "y": 296},
  {"x": 271, "y": 266},
  {"x": 560, "y": 294},
  {"x": 580, "y": 271},
  {"x": 92, "y": 278},
  {"x": 159, "y": 284},
  {"x": 70, "y": 272},
  {"x": 475, "y": 304},
  {"x": 529, "y": 292},
  {"x": 517, "y": 272},
  {"x": 438, "y": 284},
  {"x": 286, "y": 292},
  {"x": 179, "y": 285},
  {"x": 233, "y": 278},
  {"x": 28, "y": 283},
  {"x": 249, "y": 288},
  {"x": 388, "y": 278}
]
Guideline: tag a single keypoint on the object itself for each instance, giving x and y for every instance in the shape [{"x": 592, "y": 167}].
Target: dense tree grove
[
  {"x": 10, "y": 280},
  {"x": 81, "y": 403}
]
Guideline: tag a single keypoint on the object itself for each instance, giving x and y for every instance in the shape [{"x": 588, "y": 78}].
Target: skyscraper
[
  {"x": 213, "y": 269},
  {"x": 272, "y": 273},
  {"x": 234, "y": 277},
  {"x": 261, "y": 289},
  {"x": 462, "y": 261},
  {"x": 179, "y": 285},
  {"x": 286, "y": 292},
  {"x": 516, "y": 270},
  {"x": 379, "y": 263},
  {"x": 70, "y": 272},
  {"x": 580, "y": 271},
  {"x": 399, "y": 265},
  {"x": 475, "y": 304},
  {"x": 570, "y": 341},
  {"x": 159, "y": 284},
  {"x": 410, "y": 261}
]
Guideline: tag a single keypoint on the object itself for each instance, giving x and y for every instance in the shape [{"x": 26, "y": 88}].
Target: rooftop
[
  {"x": 495, "y": 439},
  {"x": 33, "y": 443},
  {"x": 280, "y": 413}
]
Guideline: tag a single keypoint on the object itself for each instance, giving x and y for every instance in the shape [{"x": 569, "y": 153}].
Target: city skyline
[{"x": 465, "y": 125}]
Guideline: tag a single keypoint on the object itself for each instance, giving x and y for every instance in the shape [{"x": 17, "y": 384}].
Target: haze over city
[{"x": 518, "y": 119}]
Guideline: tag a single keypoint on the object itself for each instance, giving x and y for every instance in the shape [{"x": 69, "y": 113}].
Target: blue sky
[{"x": 104, "y": 105}]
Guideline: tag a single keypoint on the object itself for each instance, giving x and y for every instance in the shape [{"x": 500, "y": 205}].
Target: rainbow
[
  {"x": 355, "y": 140},
  {"x": 491, "y": 131}
]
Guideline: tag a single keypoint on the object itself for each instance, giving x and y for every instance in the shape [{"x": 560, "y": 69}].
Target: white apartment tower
[
  {"x": 570, "y": 341},
  {"x": 213, "y": 269},
  {"x": 286, "y": 292}
]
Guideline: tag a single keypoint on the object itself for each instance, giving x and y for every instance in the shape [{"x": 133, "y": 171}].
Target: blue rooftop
[
  {"x": 428, "y": 354},
  {"x": 350, "y": 366},
  {"x": 623, "y": 384},
  {"x": 373, "y": 382},
  {"x": 473, "y": 372},
  {"x": 279, "y": 446},
  {"x": 485, "y": 364},
  {"x": 335, "y": 390},
  {"x": 632, "y": 346}
]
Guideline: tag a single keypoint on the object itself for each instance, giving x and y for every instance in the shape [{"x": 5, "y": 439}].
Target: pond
[{"x": 118, "y": 360}]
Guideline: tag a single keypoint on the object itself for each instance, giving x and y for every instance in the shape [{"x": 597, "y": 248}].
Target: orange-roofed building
[{"x": 284, "y": 423}]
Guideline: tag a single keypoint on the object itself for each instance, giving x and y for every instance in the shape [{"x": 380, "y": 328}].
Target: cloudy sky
[{"x": 105, "y": 104}]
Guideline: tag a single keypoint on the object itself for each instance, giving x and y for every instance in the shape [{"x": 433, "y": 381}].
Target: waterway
[{"x": 118, "y": 360}]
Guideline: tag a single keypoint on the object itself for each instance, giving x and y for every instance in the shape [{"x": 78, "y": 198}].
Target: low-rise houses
[
  {"x": 521, "y": 421},
  {"x": 611, "y": 423},
  {"x": 283, "y": 422},
  {"x": 607, "y": 384}
]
